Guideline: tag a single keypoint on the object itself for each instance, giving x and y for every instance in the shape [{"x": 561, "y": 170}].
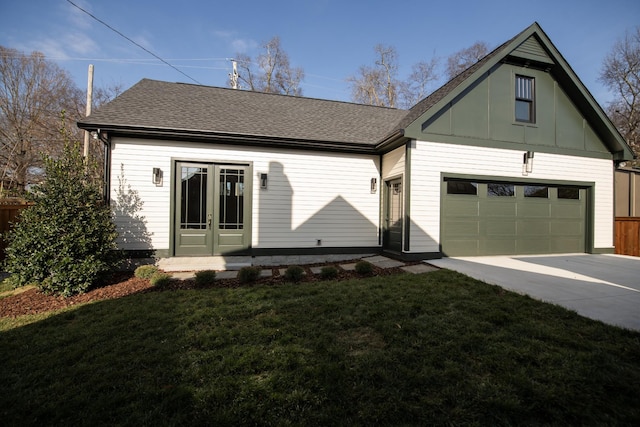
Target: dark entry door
[
  {"x": 212, "y": 205},
  {"x": 393, "y": 216}
]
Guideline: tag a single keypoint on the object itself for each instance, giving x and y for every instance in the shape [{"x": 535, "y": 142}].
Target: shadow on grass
[{"x": 432, "y": 349}]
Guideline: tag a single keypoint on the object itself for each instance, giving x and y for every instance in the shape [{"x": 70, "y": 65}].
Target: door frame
[
  {"x": 386, "y": 214},
  {"x": 248, "y": 203}
]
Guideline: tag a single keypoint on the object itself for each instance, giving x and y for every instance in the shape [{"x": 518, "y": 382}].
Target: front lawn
[{"x": 431, "y": 349}]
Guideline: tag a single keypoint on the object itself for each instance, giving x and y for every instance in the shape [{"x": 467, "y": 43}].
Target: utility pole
[
  {"x": 88, "y": 111},
  {"x": 234, "y": 74}
]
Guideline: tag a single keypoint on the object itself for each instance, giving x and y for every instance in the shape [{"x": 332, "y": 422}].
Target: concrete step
[{"x": 204, "y": 263}]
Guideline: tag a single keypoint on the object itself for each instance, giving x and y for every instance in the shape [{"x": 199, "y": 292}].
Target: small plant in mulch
[
  {"x": 294, "y": 273},
  {"x": 145, "y": 271},
  {"x": 205, "y": 277},
  {"x": 248, "y": 274},
  {"x": 160, "y": 279},
  {"x": 328, "y": 272},
  {"x": 364, "y": 268}
]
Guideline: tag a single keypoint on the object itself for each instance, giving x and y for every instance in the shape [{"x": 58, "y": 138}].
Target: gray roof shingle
[{"x": 157, "y": 105}]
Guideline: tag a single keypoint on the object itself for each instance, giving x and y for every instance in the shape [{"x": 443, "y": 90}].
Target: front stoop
[{"x": 218, "y": 263}]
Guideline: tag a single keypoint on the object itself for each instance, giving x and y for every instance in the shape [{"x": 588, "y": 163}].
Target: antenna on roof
[{"x": 234, "y": 74}]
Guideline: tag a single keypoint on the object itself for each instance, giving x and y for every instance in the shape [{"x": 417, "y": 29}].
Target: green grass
[{"x": 429, "y": 349}]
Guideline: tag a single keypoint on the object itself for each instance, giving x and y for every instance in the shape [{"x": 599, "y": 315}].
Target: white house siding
[
  {"x": 430, "y": 159},
  {"x": 311, "y": 196},
  {"x": 393, "y": 163}
]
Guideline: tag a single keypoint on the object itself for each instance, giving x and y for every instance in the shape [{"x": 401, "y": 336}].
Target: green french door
[{"x": 212, "y": 209}]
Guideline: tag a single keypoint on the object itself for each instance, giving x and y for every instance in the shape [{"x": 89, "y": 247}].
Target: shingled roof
[
  {"x": 161, "y": 108},
  {"x": 177, "y": 110}
]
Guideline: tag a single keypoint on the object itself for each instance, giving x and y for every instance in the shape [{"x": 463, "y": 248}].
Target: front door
[
  {"x": 212, "y": 209},
  {"x": 393, "y": 216}
]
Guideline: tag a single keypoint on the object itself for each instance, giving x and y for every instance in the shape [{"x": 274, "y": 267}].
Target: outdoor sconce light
[
  {"x": 157, "y": 176},
  {"x": 527, "y": 163},
  {"x": 264, "y": 181},
  {"x": 374, "y": 185}
]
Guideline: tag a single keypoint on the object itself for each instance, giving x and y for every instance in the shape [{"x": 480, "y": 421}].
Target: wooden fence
[
  {"x": 9, "y": 210},
  {"x": 627, "y": 235}
]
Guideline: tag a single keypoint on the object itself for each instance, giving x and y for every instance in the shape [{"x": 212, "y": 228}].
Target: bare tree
[
  {"x": 379, "y": 84},
  {"x": 463, "y": 59},
  {"x": 621, "y": 74},
  {"x": 271, "y": 72},
  {"x": 418, "y": 85},
  {"x": 34, "y": 93}
]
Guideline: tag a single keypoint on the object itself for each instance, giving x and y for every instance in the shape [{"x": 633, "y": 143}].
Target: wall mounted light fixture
[
  {"x": 527, "y": 163},
  {"x": 157, "y": 177},
  {"x": 374, "y": 185},
  {"x": 264, "y": 181}
]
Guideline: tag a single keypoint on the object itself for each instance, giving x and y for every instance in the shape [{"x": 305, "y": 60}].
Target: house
[
  {"x": 627, "y": 192},
  {"x": 512, "y": 156}
]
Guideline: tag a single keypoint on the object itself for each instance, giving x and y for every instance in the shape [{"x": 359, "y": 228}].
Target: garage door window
[
  {"x": 538, "y": 191},
  {"x": 570, "y": 193},
  {"x": 500, "y": 190},
  {"x": 462, "y": 187}
]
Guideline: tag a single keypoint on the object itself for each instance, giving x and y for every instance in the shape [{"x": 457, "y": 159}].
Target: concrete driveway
[{"x": 601, "y": 287}]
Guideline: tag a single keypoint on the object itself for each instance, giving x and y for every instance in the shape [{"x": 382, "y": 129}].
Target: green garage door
[{"x": 502, "y": 218}]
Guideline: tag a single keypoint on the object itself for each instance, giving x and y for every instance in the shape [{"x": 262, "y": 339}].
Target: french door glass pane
[
  {"x": 231, "y": 199},
  {"x": 193, "y": 200}
]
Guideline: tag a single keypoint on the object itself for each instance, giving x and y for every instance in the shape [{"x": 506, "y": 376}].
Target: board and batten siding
[
  {"x": 429, "y": 160},
  {"x": 311, "y": 196}
]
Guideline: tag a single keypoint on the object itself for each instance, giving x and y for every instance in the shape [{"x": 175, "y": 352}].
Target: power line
[{"x": 127, "y": 38}]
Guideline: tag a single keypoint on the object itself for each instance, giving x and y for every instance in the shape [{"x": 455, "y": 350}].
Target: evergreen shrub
[
  {"x": 248, "y": 274},
  {"x": 65, "y": 242},
  {"x": 294, "y": 273}
]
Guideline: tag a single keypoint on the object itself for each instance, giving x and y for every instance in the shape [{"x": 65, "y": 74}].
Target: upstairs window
[{"x": 525, "y": 99}]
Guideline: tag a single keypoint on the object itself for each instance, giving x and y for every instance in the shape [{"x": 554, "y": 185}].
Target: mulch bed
[{"x": 33, "y": 301}]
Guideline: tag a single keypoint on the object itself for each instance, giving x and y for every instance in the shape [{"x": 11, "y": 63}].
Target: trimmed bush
[
  {"x": 65, "y": 242},
  {"x": 248, "y": 274},
  {"x": 145, "y": 271},
  {"x": 364, "y": 268},
  {"x": 205, "y": 277},
  {"x": 294, "y": 273},
  {"x": 160, "y": 279},
  {"x": 328, "y": 272}
]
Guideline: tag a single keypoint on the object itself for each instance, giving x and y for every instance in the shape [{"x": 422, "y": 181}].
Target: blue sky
[{"x": 329, "y": 39}]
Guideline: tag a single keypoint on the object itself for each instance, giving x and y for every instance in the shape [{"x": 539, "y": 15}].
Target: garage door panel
[
  {"x": 462, "y": 206},
  {"x": 493, "y": 246},
  {"x": 533, "y": 228},
  {"x": 567, "y": 210},
  {"x": 464, "y": 228},
  {"x": 535, "y": 209},
  {"x": 567, "y": 228},
  {"x": 502, "y": 208},
  {"x": 532, "y": 245},
  {"x": 463, "y": 247},
  {"x": 568, "y": 245},
  {"x": 506, "y": 227}
]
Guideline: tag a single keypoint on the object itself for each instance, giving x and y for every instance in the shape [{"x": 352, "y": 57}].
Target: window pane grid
[
  {"x": 193, "y": 207},
  {"x": 524, "y": 101},
  {"x": 524, "y": 88},
  {"x": 231, "y": 199}
]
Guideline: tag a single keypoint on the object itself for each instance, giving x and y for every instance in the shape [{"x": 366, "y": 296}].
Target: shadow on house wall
[
  {"x": 131, "y": 225},
  {"x": 336, "y": 224}
]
